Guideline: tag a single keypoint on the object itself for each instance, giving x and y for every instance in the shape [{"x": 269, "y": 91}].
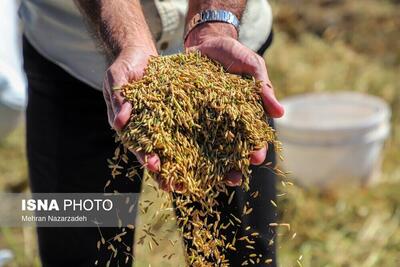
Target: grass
[
  {"x": 357, "y": 227},
  {"x": 346, "y": 227},
  {"x": 351, "y": 226}
]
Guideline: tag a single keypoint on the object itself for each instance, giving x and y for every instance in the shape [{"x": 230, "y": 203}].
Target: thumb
[
  {"x": 121, "y": 109},
  {"x": 271, "y": 104}
]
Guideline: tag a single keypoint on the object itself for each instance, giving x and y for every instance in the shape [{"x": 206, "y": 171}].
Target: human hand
[
  {"x": 218, "y": 41},
  {"x": 128, "y": 66}
]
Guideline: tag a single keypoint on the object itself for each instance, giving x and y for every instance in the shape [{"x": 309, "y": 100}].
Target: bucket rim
[
  {"x": 383, "y": 114},
  {"x": 375, "y": 136}
]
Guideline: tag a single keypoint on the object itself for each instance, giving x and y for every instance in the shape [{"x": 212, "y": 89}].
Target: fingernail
[{"x": 231, "y": 183}]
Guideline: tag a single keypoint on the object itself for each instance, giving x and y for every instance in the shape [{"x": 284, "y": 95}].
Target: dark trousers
[{"x": 68, "y": 142}]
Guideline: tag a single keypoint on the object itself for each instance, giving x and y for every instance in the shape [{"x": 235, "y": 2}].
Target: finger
[
  {"x": 247, "y": 62},
  {"x": 178, "y": 187},
  {"x": 221, "y": 53},
  {"x": 164, "y": 184},
  {"x": 110, "y": 113},
  {"x": 168, "y": 185},
  {"x": 112, "y": 81},
  {"x": 121, "y": 108},
  {"x": 149, "y": 161},
  {"x": 271, "y": 104},
  {"x": 235, "y": 57},
  {"x": 258, "y": 157},
  {"x": 123, "y": 116},
  {"x": 233, "y": 178}
]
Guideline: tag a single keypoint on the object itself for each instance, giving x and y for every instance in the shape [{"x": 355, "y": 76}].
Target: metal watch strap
[{"x": 212, "y": 16}]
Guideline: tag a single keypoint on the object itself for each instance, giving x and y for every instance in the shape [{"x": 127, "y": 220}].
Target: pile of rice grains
[{"x": 202, "y": 122}]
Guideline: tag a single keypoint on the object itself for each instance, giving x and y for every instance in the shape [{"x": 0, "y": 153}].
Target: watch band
[{"x": 212, "y": 16}]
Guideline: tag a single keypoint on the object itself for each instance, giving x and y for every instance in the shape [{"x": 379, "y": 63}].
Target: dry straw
[{"x": 202, "y": 122}]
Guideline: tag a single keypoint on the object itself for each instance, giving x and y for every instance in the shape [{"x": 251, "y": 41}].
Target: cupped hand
[
  {"x": 128, "y": 66},
  {"x": 218, "y": 41}
]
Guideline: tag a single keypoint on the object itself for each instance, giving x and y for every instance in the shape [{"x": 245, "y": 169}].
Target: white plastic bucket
[{"x": 333, "y": 138}]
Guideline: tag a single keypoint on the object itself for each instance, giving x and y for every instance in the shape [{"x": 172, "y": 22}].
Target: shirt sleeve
[{"x": 172, "y": 14}]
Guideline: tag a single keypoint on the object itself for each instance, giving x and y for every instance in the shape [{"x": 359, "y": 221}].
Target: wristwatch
[{"x": 212, "y": 16}]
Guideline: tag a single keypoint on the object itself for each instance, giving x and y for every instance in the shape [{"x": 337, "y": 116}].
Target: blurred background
[{"x": 319, "y": 46}]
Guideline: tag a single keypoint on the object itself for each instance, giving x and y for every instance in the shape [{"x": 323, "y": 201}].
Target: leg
[
  {"x": 262, "y": 191},
  {"x": 68, "y": 142},
  {"x": 263, "y": 180},
  {"x": 264, "y": 213}
]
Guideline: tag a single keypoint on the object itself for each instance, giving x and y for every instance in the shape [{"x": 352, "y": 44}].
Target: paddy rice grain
[{"x": 202, "y": 122}]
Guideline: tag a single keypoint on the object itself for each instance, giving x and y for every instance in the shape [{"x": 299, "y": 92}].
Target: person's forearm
[
  {"x": 237, "y": 7},
  {"x": 118, "y": 24}
]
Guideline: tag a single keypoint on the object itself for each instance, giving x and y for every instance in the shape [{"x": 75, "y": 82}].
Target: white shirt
[
  {"x": 57, "y": 30},
  {"x": 12, "y": 79}
]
